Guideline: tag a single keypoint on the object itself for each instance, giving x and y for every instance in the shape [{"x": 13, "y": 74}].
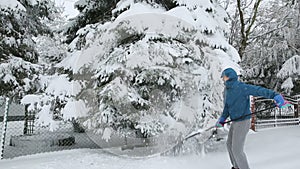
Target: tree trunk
[{"x": 245, "y": 29}]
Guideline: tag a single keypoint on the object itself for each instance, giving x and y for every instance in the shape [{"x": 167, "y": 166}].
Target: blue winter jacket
[{"x": 236, "y": 97}]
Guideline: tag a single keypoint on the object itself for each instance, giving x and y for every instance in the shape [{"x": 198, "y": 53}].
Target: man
[{"x": 237, "y": 106}]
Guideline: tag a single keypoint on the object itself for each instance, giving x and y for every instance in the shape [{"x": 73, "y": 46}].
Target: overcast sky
[{"x": 69, "y": 12}]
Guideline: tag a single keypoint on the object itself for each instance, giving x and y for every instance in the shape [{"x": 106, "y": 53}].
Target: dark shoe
[{"x": 233, "y": 168}]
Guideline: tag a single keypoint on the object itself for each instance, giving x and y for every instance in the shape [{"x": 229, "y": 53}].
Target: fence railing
[
  {"x": 277, "y": 122},
  {"x": 276, "y": 117}
]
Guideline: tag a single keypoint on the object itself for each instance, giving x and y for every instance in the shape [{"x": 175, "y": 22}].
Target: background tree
[
  {"x": 246, "y": 23},
  {"x": 21, "y": 22},
  {"x": 272, "y": 39}
]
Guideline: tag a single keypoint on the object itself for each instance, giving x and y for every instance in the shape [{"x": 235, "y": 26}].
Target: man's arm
[
  {"x": 259, "y": 91},
  {"x": 266, "y": 93}
]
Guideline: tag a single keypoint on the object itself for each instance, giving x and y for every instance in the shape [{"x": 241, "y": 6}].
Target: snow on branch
[
  {"x": 291, "y": 68},
  {"x": 11, "y": 4}
]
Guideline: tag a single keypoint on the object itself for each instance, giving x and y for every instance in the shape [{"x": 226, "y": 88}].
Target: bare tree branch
[{"x": 245, "y": 32}]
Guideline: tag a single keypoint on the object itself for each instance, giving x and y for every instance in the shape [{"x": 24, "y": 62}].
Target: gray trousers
[{"x": 235, "y": 143}]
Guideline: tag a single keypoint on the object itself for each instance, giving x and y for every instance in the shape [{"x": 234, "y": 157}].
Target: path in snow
[{"x": 267, "y": 149}]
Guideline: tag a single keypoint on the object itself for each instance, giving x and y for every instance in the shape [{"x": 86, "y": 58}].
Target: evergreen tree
[
  {"x": 150, "y": 73},
  {"x": 152, "y": 68},
  {"x": 21, "y": 22}
]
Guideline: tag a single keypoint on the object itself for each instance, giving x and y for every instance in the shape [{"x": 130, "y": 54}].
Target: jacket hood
[
  {"x": 231, "y": 73},
  {"x": 233, "y": 77}
]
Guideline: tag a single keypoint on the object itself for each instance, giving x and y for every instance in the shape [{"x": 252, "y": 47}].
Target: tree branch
[
  {"x": 253, "y": 18},
  {"x": 241, "y": 18}
]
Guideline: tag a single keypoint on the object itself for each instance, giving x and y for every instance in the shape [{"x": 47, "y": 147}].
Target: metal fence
[
  {"x": 22, "y": 137},
  {"x": 277, "y": 117}
]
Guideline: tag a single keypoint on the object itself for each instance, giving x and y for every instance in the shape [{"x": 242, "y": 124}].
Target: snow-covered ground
[{"x": 277, "y": 148}]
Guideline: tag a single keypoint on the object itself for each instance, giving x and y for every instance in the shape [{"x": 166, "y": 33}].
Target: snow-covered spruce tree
[
  {"x": 21, "y": 21},
  {"x": 151, "y": 70}
]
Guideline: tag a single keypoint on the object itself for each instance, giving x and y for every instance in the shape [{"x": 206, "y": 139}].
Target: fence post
[
  {"x": 253, "y": 120},
  {"x": 297, "y": 108},
  {"x": 296, "y": 115},
  {"x": 2, "y": 145},
  {"x": 25, "y": 130},
  {"x": 275, "y": 113}
]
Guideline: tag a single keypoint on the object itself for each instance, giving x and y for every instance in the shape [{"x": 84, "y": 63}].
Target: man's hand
[
  {"x": 220, "y": 122},
  {"x": 280, "y": 102}
]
